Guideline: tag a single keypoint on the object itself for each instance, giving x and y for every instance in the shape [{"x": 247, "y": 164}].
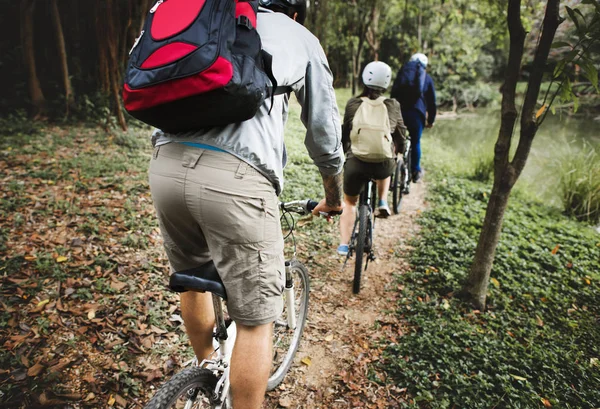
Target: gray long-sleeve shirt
[{"x": 300, "y": 63}]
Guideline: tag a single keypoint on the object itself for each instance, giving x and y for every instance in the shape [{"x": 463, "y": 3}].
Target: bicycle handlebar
[{"x": 304, "y": 207}]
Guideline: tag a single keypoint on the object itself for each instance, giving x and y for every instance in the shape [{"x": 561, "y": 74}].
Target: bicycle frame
[
  {"x": 224, "y": 338},
  {"x": 367, "y": 197}
]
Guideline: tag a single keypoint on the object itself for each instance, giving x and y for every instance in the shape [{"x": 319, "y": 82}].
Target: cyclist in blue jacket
[{"x": 418, "y": 116}]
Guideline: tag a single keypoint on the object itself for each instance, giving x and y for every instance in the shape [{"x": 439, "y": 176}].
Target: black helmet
[{"x": 289, "y": 7}]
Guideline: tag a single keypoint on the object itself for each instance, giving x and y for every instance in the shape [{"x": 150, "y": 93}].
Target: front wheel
[
  {"x": 190, "y": 388},
  {"x": 397, "y": 187},
  {"x": 286, "y": 339},
  {"x": 407, "y": 173},
  {"x": 361, "y": 240}
]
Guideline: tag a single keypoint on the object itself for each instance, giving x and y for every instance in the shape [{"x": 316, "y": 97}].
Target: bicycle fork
[{"x": 290, "y": 298}]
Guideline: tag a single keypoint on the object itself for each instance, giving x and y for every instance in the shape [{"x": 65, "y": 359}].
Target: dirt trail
[{"x": 331, "y": 366}]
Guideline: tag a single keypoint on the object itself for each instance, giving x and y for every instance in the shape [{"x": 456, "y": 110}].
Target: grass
[
  {"x": 537, "y": 345},
  {"x": 580, "y": 183}
]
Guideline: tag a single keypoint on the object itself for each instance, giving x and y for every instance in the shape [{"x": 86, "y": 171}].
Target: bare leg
[
  {"x": 383, "y": 187},
  {"x": 347, "y": 218},
  {"x": 251, "y": 365},
  {"x": 199, "y": 319}
]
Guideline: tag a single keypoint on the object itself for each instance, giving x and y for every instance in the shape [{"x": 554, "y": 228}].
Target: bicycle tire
[
  {"x": 397, "y": 187},
  {"x": 360, "y": 246},
  {"x": 406, "y": 180},
  {"x": 289, "y": 349},
  {"x": 180, "y": 385}
]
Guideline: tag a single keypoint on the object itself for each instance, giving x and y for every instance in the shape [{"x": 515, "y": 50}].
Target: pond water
[{"x": 475, "y": 133}]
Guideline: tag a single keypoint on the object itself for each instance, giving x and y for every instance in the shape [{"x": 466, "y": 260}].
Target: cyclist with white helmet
[
  {"x": 418, "y": 110},
  {"x": 372, "y": 133}
]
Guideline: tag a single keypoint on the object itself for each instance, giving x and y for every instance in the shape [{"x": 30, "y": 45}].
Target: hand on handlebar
[{"x": 323, "y": 209}]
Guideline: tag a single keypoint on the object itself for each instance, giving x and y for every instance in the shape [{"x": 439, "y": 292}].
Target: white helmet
[
  {"x": 422, "y": 58},
  {"x": 377, "y": 74}
]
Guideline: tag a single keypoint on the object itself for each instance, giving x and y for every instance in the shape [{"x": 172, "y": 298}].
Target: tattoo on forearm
[{"x": 333, "y": 189}]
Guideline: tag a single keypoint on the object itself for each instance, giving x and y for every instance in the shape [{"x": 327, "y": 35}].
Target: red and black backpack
[{"x": 197, "y": 64}]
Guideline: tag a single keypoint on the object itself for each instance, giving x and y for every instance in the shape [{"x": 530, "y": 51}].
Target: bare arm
[
  {"x": 333, "y": 194},
  {"x": 397, "y": 123}
]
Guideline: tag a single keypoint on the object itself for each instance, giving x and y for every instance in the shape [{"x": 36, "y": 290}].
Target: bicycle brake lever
[{"x": 332, "y": 213}]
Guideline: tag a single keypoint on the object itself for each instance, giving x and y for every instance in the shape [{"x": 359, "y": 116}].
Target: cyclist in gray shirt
[{"x": 215, "y": 193}]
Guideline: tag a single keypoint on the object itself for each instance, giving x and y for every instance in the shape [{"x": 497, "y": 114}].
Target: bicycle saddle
[{"x": 203, "y": 278}]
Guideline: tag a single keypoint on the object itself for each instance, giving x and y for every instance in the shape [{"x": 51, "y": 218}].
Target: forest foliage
[{"x": 68, "y": 57}]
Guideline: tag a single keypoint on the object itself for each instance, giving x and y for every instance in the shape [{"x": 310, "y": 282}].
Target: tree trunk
[
  {"x": 62, "y": 55},
  {"x": 110, "y": 72},
  {"x": 419, "y": 28},
  {"x": 323, "y": 15},
  {"x": 373, "y": 32},
  {"x": 356, "y": 63},
  {"x": 506, "y": 173},
  {"x": 38, "y": 101}
]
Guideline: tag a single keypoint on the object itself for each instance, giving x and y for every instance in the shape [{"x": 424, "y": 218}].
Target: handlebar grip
[{"x": 310, "y": 205}]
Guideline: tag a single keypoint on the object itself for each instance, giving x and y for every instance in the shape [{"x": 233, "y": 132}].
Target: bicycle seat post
[{"x": 221, "y": 327}]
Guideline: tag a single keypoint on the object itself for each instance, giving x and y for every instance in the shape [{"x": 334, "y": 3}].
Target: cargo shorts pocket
[
  {"x": 241, "y": 219},
  {"x": 272, "y": 272}
]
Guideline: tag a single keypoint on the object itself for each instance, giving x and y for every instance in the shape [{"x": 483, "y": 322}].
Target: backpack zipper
[
  {"x": 158, "y": 3},
  {"x": 136, "y": 42}
]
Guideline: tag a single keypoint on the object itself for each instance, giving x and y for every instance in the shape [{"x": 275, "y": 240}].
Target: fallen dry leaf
[
  {"x": 285, "y": 402},
  {"x": 306, "y": 361},
  {"x": 35, "y": 370}
]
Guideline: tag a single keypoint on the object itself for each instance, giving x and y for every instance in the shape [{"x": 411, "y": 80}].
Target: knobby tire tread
[
  {"x": 360, "y": 246},
  {"x": 397, "y": 187},
  {"x": 201, "y": 378}
]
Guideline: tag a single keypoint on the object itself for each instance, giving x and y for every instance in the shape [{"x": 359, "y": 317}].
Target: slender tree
[
  {"x": 507, "y": 171},
  {"x": 109, "y": 63},
  {"x": 36, "y": 95},
  {"x": 62, "y": 56}
]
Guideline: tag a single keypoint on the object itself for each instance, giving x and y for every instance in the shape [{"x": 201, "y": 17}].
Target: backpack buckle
[{"x": 244, "y": 21}]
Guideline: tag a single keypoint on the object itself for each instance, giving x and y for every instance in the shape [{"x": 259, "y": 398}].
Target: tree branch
[
  {"x": 528, "y": 121},
  {"x": 513, "y": 69}
]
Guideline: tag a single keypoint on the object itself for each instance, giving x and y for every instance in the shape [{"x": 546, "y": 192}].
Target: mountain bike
[
  {"x": 361, "y": 242},
  {"x": 401, "y": 178},
  {"x": 207, "y": 385}
]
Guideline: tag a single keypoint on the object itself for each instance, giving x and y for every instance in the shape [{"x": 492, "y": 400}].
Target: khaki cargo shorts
[{"x": 214, "y": 206}]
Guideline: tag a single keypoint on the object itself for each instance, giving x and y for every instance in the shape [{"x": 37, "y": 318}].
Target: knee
[
  {"x": 196, "y": 311},
  {"x": 350, "y": 200},
  {"x": 255, "y": 330}
]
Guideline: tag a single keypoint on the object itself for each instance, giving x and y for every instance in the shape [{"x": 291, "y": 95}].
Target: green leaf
[
  {"x": 559, "y": 44},
  {"x": 573, "y": 16},
  {"x": 582, "y": 16},
  {"x": 571, "y": 55},
  {"x": 590, "y": 72},
  {"x": 559, "y": 69},
  {"x": 580, "y": 25}
]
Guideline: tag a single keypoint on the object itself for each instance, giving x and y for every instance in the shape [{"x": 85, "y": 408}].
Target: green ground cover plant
[{"x": 538, "y": 344}]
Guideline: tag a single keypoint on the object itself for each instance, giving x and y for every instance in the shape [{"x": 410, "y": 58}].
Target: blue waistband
[{"x": 203, "y": 146}]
